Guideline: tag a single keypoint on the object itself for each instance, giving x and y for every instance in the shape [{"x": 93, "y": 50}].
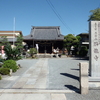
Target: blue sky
[{"x": 73, "y": 13}]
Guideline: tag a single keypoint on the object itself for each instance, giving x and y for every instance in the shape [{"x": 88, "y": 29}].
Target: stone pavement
[
  {"x": 35, "y": 77},
  {"x": 45, "y": 79},
  {"x": 30, "y": 94}
]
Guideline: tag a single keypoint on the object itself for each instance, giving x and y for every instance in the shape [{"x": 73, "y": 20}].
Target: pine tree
[{"x": 95, "y": 16}]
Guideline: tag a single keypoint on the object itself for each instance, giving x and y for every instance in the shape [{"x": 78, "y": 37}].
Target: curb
[{"x": 32, "y": 91}]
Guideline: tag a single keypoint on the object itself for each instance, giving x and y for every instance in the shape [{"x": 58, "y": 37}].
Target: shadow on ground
[
  {"x": 75, "y": 69},
  {"x": 81, "y": 58},
  {"x": 71, "y": 87},
  {"x": 70, "y": 75}
]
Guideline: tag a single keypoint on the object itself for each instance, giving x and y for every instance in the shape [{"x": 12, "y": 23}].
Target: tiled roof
[
  {"x": 11, "y": 32},
  {"x": 83, "y": 34},
  {"x": 45, "y": 33}
]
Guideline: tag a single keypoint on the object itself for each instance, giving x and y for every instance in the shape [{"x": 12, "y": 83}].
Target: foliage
[
  {"x": 1, "y": 64},
  {"x": 83, "y": 51},
  {"x": 1, "y": 59},
  {"x": 79, "y": 38},
  {"x": 4, "y": 71},
  {"x": 4, "y": 41},
  {"x": 0, "y": 77},
  {"x": 95, "y": 16},
  {"x": 19, "y": 44},
  {"x": 70, "y": 40},
  {"x": 13, "y": 52},
  {"x": 32, "y": 51},
  {"x": 10, "y": 64}
]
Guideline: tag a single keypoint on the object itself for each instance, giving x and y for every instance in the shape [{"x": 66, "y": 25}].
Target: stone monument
[{"x": 94, "y": 50}]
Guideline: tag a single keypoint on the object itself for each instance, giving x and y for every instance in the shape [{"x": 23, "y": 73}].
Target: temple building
[{"x": 45, "y": 38}]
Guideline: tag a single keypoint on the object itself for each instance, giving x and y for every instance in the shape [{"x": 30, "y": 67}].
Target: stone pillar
[
  {"x": 84, "y": 86},
  {"x": 94, "y": 47},
  {"x": 10, "y": 72}
]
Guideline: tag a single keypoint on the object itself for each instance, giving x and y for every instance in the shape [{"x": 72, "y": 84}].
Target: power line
[{"x": 58, "y": 15}]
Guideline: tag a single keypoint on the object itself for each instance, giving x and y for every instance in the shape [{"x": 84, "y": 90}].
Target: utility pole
[{"x": 13, "y": 31}]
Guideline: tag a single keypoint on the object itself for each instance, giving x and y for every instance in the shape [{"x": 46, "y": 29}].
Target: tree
[
  {"x": 69, "y": 41},
  {"x": 19, "y": 44},
  {"x": 79, "y": 40},
  {"x": 15, "y": 52},
  {"x": 4, "y": 41},
  {"x": 95, "y": 16},
  {"x": 12, "y": 53}
]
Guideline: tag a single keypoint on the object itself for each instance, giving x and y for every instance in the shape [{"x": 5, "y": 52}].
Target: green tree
[
  {"x": 12, "y": 53},
  {"x": 15, "y": 52},
  {"x": 70, "y": 40},
  {"x": 4, "y": 41},
  {"x": 95, "y": 16},
  {"x": 79, "y": 40},
  {"x": 19, "y": 42}
]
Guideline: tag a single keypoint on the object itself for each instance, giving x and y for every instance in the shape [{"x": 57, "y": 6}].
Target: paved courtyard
[
  {"x": 45, "y": 78},
  {"x": 45, "y": 73}
]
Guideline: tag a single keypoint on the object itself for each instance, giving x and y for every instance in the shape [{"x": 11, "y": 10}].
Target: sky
[{"x": 70, "y": 15}]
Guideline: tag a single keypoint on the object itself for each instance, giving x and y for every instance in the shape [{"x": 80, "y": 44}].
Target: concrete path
[
  {"x": 30, "y": 94},
  {"x": 34, "y": 77}
]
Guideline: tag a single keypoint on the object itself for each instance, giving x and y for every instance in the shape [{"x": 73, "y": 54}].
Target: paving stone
[{"x": 58, "y": 97}]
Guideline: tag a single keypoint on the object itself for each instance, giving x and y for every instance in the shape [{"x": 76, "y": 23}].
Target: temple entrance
[{"x": 45, "y": 48}]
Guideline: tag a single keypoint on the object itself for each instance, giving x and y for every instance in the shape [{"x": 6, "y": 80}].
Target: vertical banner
[{"x": 37, "y": 47}]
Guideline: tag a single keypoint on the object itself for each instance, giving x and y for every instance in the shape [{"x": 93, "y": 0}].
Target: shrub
[
  {"x": 1, "y": 59},
  {"x": 32, "y": 51},
  {"x": 4, "y": 71},
  {"x": 11, "y": 64},
  {"x": 1, "y": 64},
  {"x": 0, "y": 77},
  {"x": 83, "y": 51}
]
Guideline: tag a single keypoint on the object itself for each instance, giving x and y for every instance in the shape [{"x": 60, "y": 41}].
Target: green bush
[
  {"x": 1, "y": 64},
  {"x": 83, "y": 51},
  {"x": 32, "y": 51},
  {"x": 10, "y": 64},
  {"x": 4, "y": 71},
  {"x": 2, "y": 60},
  {"x": 0, "y": 77}
]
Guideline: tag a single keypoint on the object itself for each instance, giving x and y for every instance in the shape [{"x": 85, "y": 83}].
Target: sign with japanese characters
[{"x": 94, "y": 37}]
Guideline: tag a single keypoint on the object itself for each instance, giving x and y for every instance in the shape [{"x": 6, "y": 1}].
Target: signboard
[{"x": 94, "y": 45}]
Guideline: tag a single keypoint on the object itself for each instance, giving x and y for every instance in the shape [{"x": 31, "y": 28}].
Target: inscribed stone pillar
[{"x": 94, "y": 48}]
